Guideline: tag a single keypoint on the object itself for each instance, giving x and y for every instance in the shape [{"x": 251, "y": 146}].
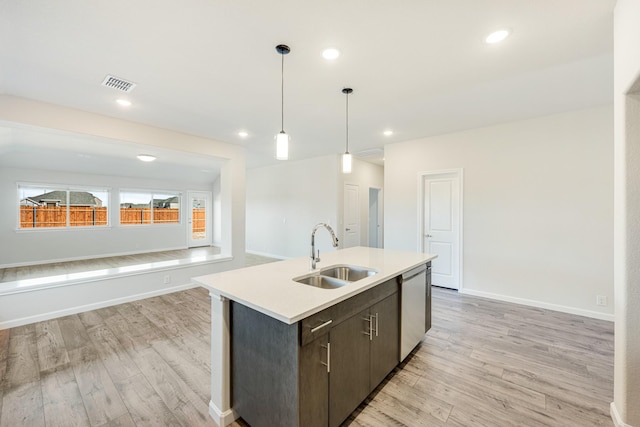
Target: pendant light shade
[
  {"x": 346, "y": 162},
  {"x": 282, "y": 139},
  {"x": 282, "y": 146},
  {"x": 347, "y": 159}
]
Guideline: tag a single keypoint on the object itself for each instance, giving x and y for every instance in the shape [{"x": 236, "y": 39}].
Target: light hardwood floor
[{"x": 147, "y": 363}]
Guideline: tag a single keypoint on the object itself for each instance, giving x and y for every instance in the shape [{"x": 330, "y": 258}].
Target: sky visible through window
[{"x": 33, "y": 191}]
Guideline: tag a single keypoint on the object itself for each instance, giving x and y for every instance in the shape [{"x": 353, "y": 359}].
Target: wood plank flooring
[
  {"x": 147, "y": 363},
  {"x": 490, "y": 363}
]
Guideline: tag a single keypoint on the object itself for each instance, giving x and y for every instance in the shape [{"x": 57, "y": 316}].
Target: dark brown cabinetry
[
  {"x": 314, "y": 382},
  {"x": 364, "y": 349},
  {"x": 349, "y": 376},
  {"x": 315, "y": 372},
  {"x": 385, "y": 342}
]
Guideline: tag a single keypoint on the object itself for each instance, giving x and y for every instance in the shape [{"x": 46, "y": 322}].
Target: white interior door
[
  {"x": 375, "y": 214},
  {"x": 351, "y": 235},
  {"x": 442, "y": 227},
  {"x": 199, "y": 219}
]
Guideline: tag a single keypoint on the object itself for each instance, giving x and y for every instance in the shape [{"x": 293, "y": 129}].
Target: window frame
[
  {"x": 68, "y": 188},
  {"x": 165, "y": 194}
]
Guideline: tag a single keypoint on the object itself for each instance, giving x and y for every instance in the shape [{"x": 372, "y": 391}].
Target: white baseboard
[
  {"x": 88, "y": 307},
  {"x": 540, "y": 304},
  {"x": 222, "y": 418},
  {"x": 615, "y": 416}
]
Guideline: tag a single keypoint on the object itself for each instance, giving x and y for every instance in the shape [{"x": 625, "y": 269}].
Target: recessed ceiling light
[
  {"x": 123, "y": 102},
  {"x": 146, "y": 157},
  {"x": 243, "y": 134},
  {"x": 497, "y": 36},
  {"x": 330, "y": 53},
  {"x": 388, "y": 132}
]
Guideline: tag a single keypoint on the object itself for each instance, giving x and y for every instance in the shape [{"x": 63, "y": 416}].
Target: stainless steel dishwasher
[{"x": 412, "y": 312}]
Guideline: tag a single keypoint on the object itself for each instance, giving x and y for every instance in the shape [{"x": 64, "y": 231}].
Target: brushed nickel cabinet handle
[
  {"x": 376, "y": 324},
  {"x": 328, "y": 364},
  {"x": 370, "y": 333},
  {"x": 317, "y": 328}
]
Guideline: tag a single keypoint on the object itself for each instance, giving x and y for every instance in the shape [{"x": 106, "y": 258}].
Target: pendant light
[
  {"x": 346, "y": 157},
  {"x": 282, "y": 139}
]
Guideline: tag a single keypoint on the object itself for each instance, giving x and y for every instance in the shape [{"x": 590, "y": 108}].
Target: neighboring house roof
[
  {"x": 166, "y": 203},
  {"x": 77, "y": 198}
]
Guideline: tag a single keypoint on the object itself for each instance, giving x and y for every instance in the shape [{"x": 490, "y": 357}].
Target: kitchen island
[{"x": 269, "y": 327}]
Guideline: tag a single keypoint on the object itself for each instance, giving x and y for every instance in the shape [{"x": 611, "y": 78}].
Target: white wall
[
  {"x": 286, "y": 200},
  {"x": 232, "y": 178},
  {"x": 217, "y": 213},
  {"x": 625, "y": 410},
  {"x": 538, "y": 207},
  {"x": 24, "y": 247},
  {"x": 365, "y": 175}
]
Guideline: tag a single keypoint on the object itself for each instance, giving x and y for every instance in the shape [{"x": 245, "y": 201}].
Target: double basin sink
[{"x": 335, "y": 276}]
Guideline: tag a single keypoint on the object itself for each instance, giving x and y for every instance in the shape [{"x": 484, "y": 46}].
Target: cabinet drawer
[{"x": 320, "y": 323}]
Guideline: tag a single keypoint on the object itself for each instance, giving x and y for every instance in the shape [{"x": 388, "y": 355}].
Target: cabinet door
[
  {"x": 314, "y": 383},
  {"x": 385, "y": 345},
  {"x": 349, "y": 376}
]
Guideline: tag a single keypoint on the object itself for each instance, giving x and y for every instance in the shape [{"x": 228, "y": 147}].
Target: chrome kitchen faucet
[{"x": 316, "y": 258}]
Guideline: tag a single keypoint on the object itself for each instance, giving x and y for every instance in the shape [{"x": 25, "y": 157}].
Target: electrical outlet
[
  {"x": 167, "y": 279},
  {"x": 601, "y": 300}
]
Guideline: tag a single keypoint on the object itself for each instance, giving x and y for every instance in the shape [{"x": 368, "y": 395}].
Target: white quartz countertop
[{"x": 270, "y": 289}]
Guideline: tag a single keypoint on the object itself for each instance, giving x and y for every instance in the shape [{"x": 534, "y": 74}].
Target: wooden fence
[
  {"x": 199, "y": 220},
  {"x": 143, "y": 215},
  {"x": 56, "y": 216},
  {"x": 84, "y": 216}
]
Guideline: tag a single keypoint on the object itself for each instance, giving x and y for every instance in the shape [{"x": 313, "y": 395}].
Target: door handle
[
  {"x": 428, "y": 235},
  {"x": 347, "y": 229}
]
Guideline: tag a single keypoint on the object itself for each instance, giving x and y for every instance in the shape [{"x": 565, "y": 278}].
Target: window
[
  {"x": 144, "y": 207},
  {"x": 43, "y": 206}
]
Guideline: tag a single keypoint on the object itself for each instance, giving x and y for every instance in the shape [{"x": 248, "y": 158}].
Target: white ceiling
[
  {"x": 209, "y": 68},
  {"x": 29, "y": 147}
]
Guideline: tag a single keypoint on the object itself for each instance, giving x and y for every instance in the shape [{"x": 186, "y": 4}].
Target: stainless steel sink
[
  {"x": 322, "y": 281},
  {"x": 350, "y": 273},
  {"x": 335, "y": 276}
]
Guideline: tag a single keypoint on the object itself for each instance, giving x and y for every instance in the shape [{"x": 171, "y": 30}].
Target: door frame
[{"x": 422, "y": 176}]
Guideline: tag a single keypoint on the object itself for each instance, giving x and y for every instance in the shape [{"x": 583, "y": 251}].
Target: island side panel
[
  {"x": 220, "y": 404},
  {"x": 264, "y": 366}
]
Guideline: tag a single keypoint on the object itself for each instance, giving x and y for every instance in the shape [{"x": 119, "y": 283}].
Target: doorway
[
  {"x": 375, "y": 218},
  {"x": 351, "y": 216},
  {"x": 441, "y": 225},
  {"x": 199, "y": 219}
]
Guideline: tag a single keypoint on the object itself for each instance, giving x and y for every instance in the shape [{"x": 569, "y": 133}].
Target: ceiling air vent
[
  {"x": 118, "y": 83},
  {"x": 372, "y": 152}
]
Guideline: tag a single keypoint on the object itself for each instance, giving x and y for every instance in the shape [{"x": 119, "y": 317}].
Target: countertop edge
[{"x": 370, "y": 283}]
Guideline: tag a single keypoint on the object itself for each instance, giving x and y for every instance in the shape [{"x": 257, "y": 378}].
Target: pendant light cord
[
  {"x": 282, "y": 94},
  {"x": 347, "y": 123}
]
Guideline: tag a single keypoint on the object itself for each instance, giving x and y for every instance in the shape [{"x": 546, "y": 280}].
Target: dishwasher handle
[{"x": 412, "y": 273}]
